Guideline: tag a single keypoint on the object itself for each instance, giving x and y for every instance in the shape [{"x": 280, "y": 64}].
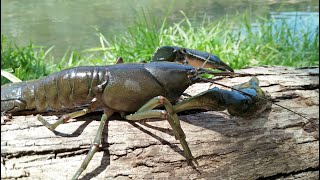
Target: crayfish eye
[
  {"x": 183, "y": 50},
  {"x": 192, "y": 72}
]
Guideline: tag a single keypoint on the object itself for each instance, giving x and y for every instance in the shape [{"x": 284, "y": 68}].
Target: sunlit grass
[
  {"x": 235, "y": 42},
  {"x": 26, "y": 62},
  {"x": 239, "y": 42}
]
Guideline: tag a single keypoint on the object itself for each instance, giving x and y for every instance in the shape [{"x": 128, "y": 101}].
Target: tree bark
[{"x": 276, "y": 144}]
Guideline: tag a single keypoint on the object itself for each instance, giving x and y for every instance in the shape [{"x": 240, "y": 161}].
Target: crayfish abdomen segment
[
  {"x": 65, "y": 89},
  {"x": 11, "y": 97}
]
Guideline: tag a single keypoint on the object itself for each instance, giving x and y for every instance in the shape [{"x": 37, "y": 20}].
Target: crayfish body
[{"x": 134, "y": 90}]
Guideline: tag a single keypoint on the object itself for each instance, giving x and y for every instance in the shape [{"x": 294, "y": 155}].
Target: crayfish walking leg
[
  {"x": 95, "y": 145},
  {"x": 66, "y": 117},
  {"x": 148, "y": 111},
  {"x": 63, "y": 119}
]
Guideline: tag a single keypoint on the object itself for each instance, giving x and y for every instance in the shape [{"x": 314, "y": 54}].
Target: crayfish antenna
[
  {"x": 205, "y": 62},
  {"x": 290, "y": 110}
]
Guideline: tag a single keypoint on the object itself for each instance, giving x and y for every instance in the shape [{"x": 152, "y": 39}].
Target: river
[{"x": 71, "y": 24}]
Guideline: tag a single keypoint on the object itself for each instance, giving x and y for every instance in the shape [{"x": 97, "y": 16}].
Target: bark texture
[{"x": 276, "y": 144}]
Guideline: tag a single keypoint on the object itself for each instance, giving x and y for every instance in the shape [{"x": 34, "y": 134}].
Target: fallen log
[{"x": 276, "y": 144}]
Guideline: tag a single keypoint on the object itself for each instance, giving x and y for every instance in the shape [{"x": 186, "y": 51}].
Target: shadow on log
[{"x": 276, "y": 144}]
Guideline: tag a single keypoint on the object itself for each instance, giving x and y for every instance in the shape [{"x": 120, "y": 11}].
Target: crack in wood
[
  {"x": 72, "y": 151},
  {"x": 284, "y": 175}
]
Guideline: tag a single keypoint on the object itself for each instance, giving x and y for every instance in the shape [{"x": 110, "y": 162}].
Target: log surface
[{"x": 276, "y": 144}]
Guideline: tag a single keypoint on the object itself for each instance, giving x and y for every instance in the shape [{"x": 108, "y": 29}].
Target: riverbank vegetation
[{"x": 239, "y": 42}]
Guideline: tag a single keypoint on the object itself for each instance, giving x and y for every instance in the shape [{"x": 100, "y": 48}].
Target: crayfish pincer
[
  {"x": 134, "y": 90},
  {"x": 192, "y": 57}
]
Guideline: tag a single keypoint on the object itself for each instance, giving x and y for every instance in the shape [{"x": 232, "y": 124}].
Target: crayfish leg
[
  {"x": 148, "y": 111},
  {"x": 66, "y": 117},
  {"x": 95, "y": 146},
  {"x": 62, "y": 119}
]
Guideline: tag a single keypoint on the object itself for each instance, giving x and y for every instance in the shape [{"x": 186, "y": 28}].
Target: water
[
  {"x": 299, "y": 21},
  {"x": 72, "y": 24}
]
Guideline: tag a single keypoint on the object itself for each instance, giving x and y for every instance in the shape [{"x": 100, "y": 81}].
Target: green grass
[
  {"x": 235, "y": 41},
  {"x": 26, "y": 62}
]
